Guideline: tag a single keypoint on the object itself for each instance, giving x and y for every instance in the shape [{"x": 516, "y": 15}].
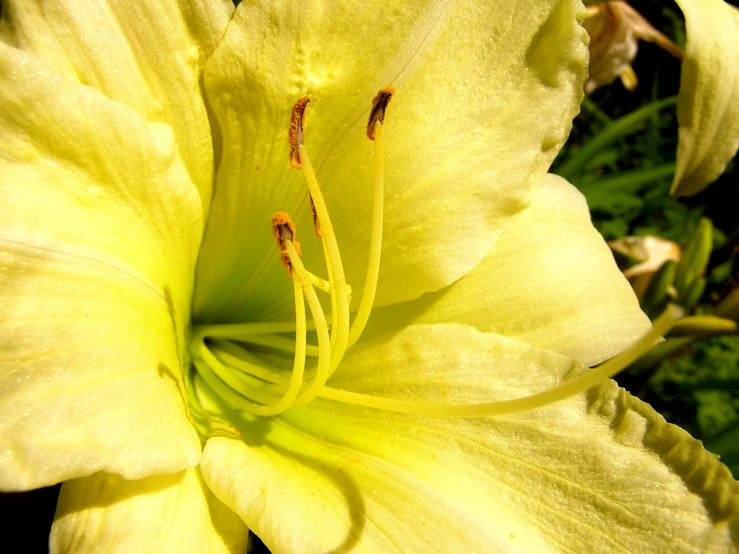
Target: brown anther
[
  {"x": 283, "y": 230},
  {"x": 377, "y": 113},
  {"x": 297, "y": 129},
  {"x": 314, "y": 213}
]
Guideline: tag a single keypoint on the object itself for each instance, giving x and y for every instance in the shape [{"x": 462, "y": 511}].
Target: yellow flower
[{"x": 142, "y": 138}]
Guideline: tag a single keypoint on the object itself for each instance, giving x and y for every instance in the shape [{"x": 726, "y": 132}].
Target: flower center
[
  {"x": 265, "y": 385},
  {"x": 228, "y": 369}
]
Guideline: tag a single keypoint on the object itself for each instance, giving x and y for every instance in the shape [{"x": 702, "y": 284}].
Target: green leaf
[
  {"x": 655, "y": 297},
  {"x": 695, "y": 257},
  {"x": 580, "y": 160}
]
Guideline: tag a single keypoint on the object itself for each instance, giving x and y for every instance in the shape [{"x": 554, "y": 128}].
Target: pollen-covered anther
[
  {"x": 377, "y": 113},
  {"x": 283, "y": 230},
  {"x": 297, "y": 130}
]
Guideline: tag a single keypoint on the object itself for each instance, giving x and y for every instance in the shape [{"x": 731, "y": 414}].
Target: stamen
[
  {"x": 336, "y": 269},
  {"x": 247, "y": 368},
  {"x": 233, "y": 398},
  {"x": 377, "y": 112},
  {"x": 296, "y": 378},
  {"x": 324, "y": 348},
  {"x": 283, "y": 230},
  {"x": 216, "y": 371},
  {"x": 570, "y": 388},
  {"x": 218, "y": 376},
  {"x": 235, "y": 356},
  {"x": 375, "y": 132},
  {"x": 334, "y": 309},
  {"x": 297, "y": 131},
  {"x": 228, "y": 383}
]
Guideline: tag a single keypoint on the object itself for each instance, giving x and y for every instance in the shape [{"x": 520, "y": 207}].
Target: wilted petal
[
  {"x": 169, "y": 513},
  {"x": 589, "y": 474},
  {"x": 648, "y": 253},
  {"x": 615, "y": 29},
  {"x": 708, "y": 102},
  {"x": 468, "y": 135},
  {"x": 100, "y": 230}
]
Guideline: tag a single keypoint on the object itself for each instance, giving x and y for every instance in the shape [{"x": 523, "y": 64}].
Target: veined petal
[
  {"x": 169, "y": 513},
  {"x": 485, "y": 97},
  {"x": 596, "y": 473},
  {"x": 708, "y": 101},
  {"x": 146, "y": 55},
  {"x": 100, "y": 230},
  {"x": 550, "y": 281}
]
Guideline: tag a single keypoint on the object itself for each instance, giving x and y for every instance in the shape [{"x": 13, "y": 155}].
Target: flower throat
[{"x": 226, "y": 368}]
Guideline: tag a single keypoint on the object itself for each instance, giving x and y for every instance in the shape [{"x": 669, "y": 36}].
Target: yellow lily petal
[
  {"x": 146, "y": 55},
  {"x": 476, "y": 123},
  {"x": 100, "y": 230},
  {"x": 598, "y": 472},
  {"x": 550, "y": 281},
  {"x": 708, "y": 101},
  {"x": 170, "y": 513}
]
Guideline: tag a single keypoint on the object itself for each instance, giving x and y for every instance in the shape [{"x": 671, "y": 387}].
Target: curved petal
[
  {"x": 550, "y": 281},
  {"x": 485, "y": 97},
  {"x": 100, "y": 230},
  {"x": 596, "y": 473},
  {"x": 146, "y": 55},
  {"x": 708, "y": 101},
  {"x": 170, "y": 513}
]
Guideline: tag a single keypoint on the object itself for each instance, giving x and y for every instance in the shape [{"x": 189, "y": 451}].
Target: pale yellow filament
[
  {"x": 331, "y": 284},
  {"x": 373, "y": 265},
  {"x": 234, "y": 399},
  {"x": 337, "y": 278},
  {"x": 219, "y": 377},
  {"x": 274, "y": 341},
  {"x": 296, "y": 378},
  {"x": 247, "y": 368},
  {"x": 324, "y": 342}
]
